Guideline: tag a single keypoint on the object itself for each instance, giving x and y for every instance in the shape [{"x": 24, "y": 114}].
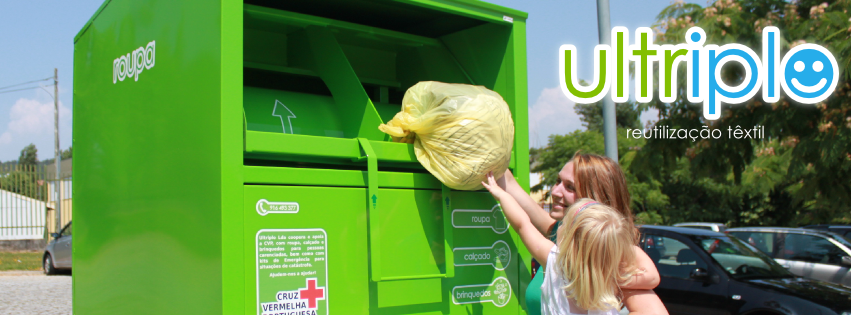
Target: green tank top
[{"x": 533, "y": 291}]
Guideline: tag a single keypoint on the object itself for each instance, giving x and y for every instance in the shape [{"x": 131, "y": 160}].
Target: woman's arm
[
  {"x": 647, "y": 280},
  {"x": 538, "y": 245},
  {"x": 537, "y": 215},
  {"x": 643, "y": 302}
]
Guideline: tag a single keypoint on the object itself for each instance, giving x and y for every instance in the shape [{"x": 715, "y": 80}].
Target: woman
[{"x": 599, "y": 178}]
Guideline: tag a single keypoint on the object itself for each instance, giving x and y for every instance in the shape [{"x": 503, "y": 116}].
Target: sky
[
  {"x": 553, "y": 23},
  {"x": 37, "y": 36}
]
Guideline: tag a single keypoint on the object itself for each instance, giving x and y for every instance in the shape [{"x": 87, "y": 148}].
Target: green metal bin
[{"x": 230, "y": 162}]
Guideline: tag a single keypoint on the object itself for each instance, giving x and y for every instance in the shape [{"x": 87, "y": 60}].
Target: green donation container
[{"x": 228, "y": 159}]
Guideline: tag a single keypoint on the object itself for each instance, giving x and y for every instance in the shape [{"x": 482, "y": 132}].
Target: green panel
[
  {"x": 148, "y": 173},
  {"x": 331, "y": 177},
  {"x": 417, "y": 64},
  {"x": 341, "y": 214},
  {"x": 361, "y": 118},
  {"x": 231, "y": 162},
  {"x": 387, "y": 111},
  {"x": 409, "y": 292},
  {"x": 475, "y": 271},
  {"x": 411, "y": 234},
  {"x": 165, "y": 162},
  {"x": 262, "y": 17},
  {"x": 291, "y": 112},
  {"x": 268, "y": 144},
  {"x": 299, "y": 145},
  {"x": 476, "y": 9},
  {"x": 372, "y": 65},
  {"x": 480, "y": 51},
  {"x": 267, "y": 46}
]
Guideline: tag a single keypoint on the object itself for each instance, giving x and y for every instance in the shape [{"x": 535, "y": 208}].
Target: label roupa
[{"x": 133, "y": 63}]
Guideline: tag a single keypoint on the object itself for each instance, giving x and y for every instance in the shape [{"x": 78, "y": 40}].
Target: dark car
[
  {"x": 714, "y": 273},
  {"x": 844, "y": 230},
  {"x": 57, "y": 255}
]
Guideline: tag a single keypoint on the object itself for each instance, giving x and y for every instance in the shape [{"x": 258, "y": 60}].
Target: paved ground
[{"x": 31, "y": 292}]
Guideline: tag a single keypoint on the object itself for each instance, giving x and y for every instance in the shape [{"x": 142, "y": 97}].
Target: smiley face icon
[{"x": 810, "y": 73}]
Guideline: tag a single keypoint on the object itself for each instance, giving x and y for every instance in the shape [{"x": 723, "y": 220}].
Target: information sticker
[{"x": 292, "y": 272}]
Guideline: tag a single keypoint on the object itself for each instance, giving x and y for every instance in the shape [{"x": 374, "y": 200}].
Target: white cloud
[
  {"x": 552, "y": 113},
  {"x": 31, "y": 121},
  {"x": 31, "y": 117}
]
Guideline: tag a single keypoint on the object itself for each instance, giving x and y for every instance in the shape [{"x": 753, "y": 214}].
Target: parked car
[
  {"x": 654, "y": 242},
  {"x": 714, "y": 273},
  {"x": 844, "y": 230},
  {"x": 717, "y": 227},
  {"x": 57, "y": 255},
  {"x": 808, "y": 253}
]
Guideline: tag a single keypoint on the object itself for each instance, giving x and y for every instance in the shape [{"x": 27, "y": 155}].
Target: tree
[
  {"x": 647, "y": 199},
  {"x": 67, "y": 154},
  {"x": 29, "y": 155},
  {"x": 799, "y": 174},
  {"x": 22, "y": 179}
]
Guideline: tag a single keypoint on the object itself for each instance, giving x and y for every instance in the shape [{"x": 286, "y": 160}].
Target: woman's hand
[{"x": 497, "y": 192}]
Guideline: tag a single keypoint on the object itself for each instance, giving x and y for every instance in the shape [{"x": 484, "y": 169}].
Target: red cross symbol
[{"x": 312, "y": 293}]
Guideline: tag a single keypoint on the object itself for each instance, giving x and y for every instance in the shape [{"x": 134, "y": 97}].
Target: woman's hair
[
  {"x": 596, "y": 254},
  {"x": 602, "y": 179}
]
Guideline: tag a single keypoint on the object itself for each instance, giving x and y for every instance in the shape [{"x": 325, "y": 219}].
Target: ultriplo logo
[
  {"x": 133, "y": 63},
  {"x": 808, "y": 73}
]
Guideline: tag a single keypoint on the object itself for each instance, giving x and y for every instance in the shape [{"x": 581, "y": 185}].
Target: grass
[{"x": 20, "y": 260}]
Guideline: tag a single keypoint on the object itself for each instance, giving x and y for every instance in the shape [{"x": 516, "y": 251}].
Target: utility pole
[
  {"x": 58, "y": 154},
  {"x": 610, "y": 130}
]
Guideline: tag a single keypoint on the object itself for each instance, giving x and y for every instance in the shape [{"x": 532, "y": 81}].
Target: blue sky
[
  {"x": 553, "y": 23},
  {"x": 37, "y": 36}
]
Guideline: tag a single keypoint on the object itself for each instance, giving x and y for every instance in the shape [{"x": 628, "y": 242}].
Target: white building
[{"x": 21, "y": 217}]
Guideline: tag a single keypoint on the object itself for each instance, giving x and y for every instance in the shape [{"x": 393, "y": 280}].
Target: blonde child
[{"x": 591, "y": 262}]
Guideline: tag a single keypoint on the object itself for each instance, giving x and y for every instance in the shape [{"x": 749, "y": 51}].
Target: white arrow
[{"x": 283, "y": 113}]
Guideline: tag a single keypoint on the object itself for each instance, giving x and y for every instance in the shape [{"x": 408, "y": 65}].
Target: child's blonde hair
[{"x": 596, "y": 254}]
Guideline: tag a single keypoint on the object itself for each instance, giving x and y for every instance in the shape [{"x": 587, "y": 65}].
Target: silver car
[
  {"x": 808, "y": 253},
  {"x": 715, "y": 227},
  {"x": 57, "y": 255}
]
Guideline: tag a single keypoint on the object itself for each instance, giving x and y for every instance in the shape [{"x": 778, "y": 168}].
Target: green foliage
[
  {"x": 21, "y": 177},
  {"x": 29, "y": 155},
  {"x": 801, "y": 173},
  {"x": 560, "y": 149},
  {"x": 67, "y": 154}
]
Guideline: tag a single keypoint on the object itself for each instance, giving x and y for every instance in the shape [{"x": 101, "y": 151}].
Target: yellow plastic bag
[{"x": 460, "y": 132}]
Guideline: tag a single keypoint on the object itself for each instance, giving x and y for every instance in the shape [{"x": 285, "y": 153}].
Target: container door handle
[
  {"x": 374, "y": 218},
  {"x": 372, "y": 212},
  {"x": 448, "y": 236}
]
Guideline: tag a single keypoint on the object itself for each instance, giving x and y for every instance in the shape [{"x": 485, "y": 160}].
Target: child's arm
[
  {"x": 643, "y": 302},
  {"x": 539, "y": 217},
  {"x": 647, "y": 280},
  {"x": 538, "y": 245}
]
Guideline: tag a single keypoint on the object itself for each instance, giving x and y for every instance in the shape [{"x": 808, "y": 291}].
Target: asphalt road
[{"x": 31, "y": 292}]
